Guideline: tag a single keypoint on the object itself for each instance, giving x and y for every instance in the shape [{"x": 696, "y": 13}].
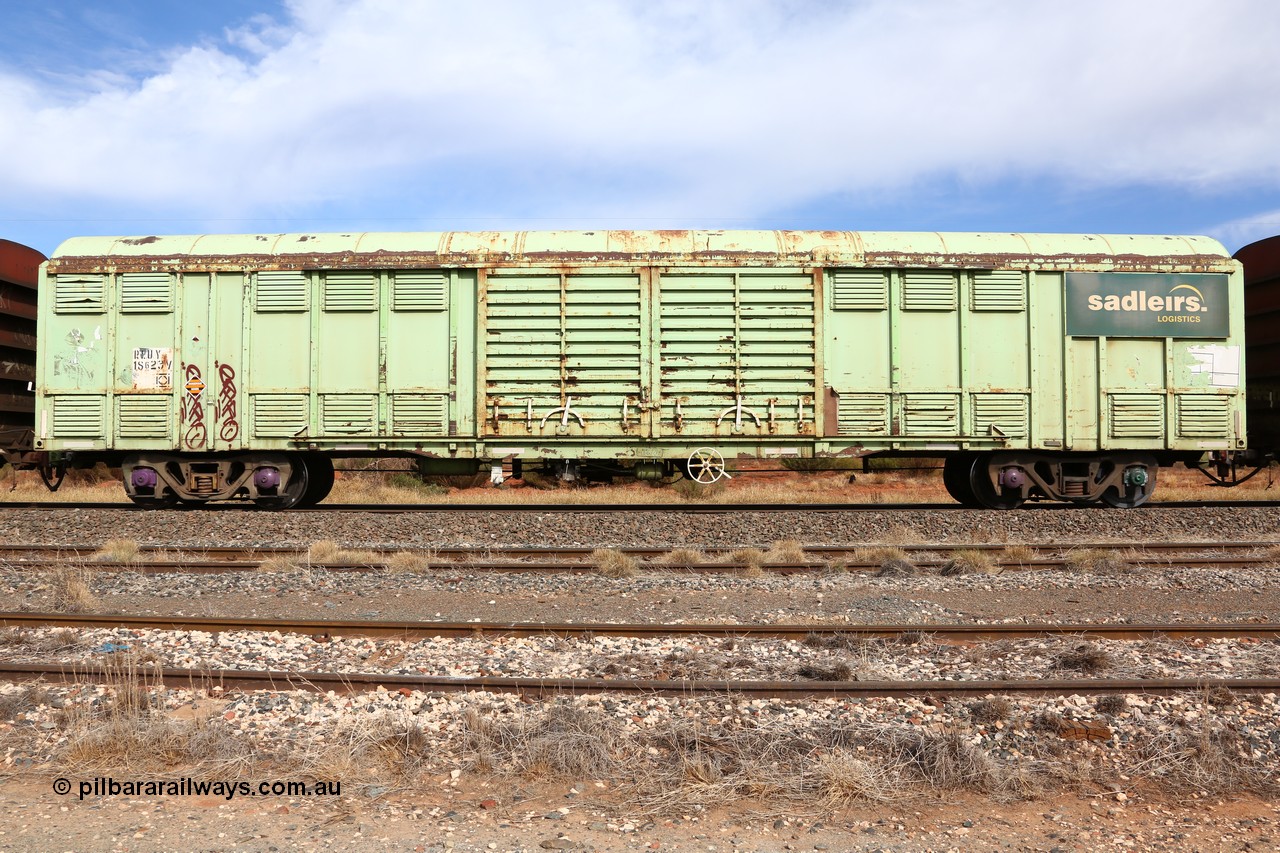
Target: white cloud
[
  {"x": 1248, "y": 229},
  {"x": 663, "y": 108}
]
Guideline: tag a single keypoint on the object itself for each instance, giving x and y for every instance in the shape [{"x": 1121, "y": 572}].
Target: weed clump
[
  {"x": 990, "y": 711},
  {"x": 897, "y": 568},
  {"x": 329, "y": 553},
  {"x": 409, "y": 562},
  {"x": 1096, "y": 561},
  {"x": 564, "y": 740},
  {"x": 694, "y": 491},
  {"x": 1083, "y": 657},
  {"x": 1019, "y": 554},
  {"x": 612, "y": 563},
  {"x": 969, "y": 562},
  {"x": 118, "y": 551},
  {"x": 71, "y": 589},
  {"x": 787, "y": 551},
  {"x": 836, "y": 672},
  {"x": 1212, "y": 759},
  {"x": 752, "y": 561},
  {"x": 682, "y": 557}
]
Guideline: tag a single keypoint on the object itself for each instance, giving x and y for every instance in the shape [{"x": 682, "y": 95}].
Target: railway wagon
[
  {"x": 19, "y": 272},
  {"x": 1261, "y": 262},
  {"x": 1066, "y": 367}
]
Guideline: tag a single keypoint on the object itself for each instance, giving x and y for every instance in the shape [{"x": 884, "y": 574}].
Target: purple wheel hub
[
  {"x": 144, "y": 478},
  {"x": 1012, "y": 477},
  {"x": 266, "y": 477}
]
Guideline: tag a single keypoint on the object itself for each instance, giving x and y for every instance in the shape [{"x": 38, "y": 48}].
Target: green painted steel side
[{"x": 229, "y": 343}]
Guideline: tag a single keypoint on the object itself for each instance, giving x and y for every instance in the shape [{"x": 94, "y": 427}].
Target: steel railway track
[
  {"x": 960, "y": 633},
  {"x": 540, "y": 687},
  {"x": 543, "y": 560},
  {"x": 234, "y": 679}
]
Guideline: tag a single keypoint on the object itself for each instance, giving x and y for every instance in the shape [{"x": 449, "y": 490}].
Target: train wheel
[
  {"x": 319, "y": 478},
  {"x": 292, "y": 493},
  {"x": 985, "y": 491},
  {"x": 955, "y": 476},
  {"x": 1138, "y": 482}
]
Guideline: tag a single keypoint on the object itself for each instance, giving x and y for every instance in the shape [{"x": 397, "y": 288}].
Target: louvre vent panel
[
  {"x": 78, "y": 416},
  {"x": 863, "y": 414},
  {"x": 146, "y": 293},
  {"x": 930, "y": 291},
  {"x": 860, "y": 290},
  {"x": 280, "y": 415},
  {"x": 1136, "y": 415},
  {"x": 999, "y": 290},
  {"x": 282, "y": 290},
  {"x": 350, "y": 291},
  {"x": 419, "y": 414},
  {"x": 79, "y": 294},
  {"x": 727, "y": 339},
  {"x": 1204, "y": 416},
  {"x": 348, "y": 414},
  {"x": 143, "y": 416},
  {"x": 419, "y": 291},
  {"x": 554, "y": 339},
  {"x": 931, "y": 414},
  {"x": 1009, "y": 414}
]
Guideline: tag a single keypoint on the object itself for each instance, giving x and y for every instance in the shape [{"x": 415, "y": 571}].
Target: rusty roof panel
[
  {"x": 19, "y": 264},
  {"x": 494, "y": 249}
]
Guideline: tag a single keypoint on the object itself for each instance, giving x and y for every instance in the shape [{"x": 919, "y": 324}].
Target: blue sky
[{"x": 1110, "y": 116}]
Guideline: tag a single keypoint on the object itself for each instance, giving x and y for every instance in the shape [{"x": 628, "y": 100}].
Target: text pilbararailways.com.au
[{"x": 106, "y": 786}]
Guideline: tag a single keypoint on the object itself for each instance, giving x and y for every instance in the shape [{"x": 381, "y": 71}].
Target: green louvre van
[{"x": 1065, "y": 367}]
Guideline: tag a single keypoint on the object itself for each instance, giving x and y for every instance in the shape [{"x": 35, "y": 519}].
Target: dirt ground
[{"x": 478, "y": 816}]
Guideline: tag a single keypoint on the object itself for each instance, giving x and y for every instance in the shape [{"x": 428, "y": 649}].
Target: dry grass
[
  {"x": 969, "y": 562},
  {"x": 897, "y": 569},
  {"x": 560, "y": 740},
  {"x": 41, "y": 642},
  {"x": 382, "y": 749},
  {"x": 410, "y": 562},
  {"x": 944, "y": 761},
  {"x": 786, "y": 551},
  {"x": 71, "y": 589},
  {"x": 118, "y": 551},
  {"x": 835, "y": 672},
  {"x": 752, "y": 561},
  {"x": 1211, "y": 759},
  {"x": 989, "y": 711},
  {"x": 682, "y": 557},
  {"x": 1083, "y": 657},
  {"x": 1019, "y": 554},
  {"x": 284, "y": 563},
  {"x": 128, "y": 731},
  {"x": 25, "y": 699},
  {"x": 876, "y": 554},
  {"x": 1096, "y": 561},
  {"x": 326, "y": 552},
  {"x": 612, "y": 563},
  {"x": 842, "y": 778}
]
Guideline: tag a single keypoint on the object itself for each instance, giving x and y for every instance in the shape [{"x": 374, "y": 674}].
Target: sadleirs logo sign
[{"x": 1147, "y": 305}]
